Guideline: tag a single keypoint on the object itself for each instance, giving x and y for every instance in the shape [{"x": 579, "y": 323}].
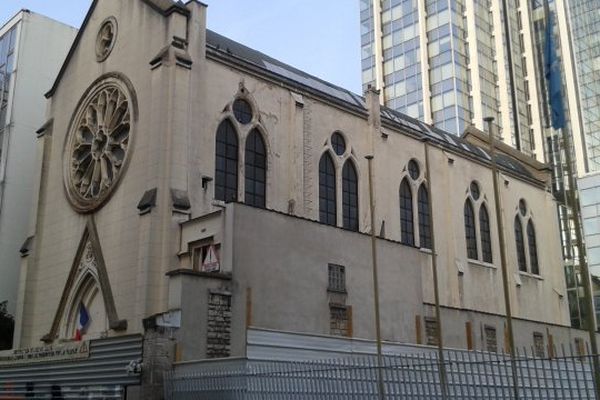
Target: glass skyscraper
[{"x": 446, "y": 62}]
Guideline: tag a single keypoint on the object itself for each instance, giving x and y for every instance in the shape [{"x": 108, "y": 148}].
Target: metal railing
[{"x": 470, "y": 375}]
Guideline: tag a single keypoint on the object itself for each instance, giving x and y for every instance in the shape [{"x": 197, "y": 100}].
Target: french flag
[{"x": 84, "y": 320}]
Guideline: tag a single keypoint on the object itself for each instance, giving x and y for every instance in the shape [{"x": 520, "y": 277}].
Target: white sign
[
  {"x": 51, "y": 353},
  {"x": 211, "y": 261}
]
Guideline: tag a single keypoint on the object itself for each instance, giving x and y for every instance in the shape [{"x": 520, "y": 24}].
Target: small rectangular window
[
  {"x": 337, "y": 278},
  {"x": 538, "y": 344},
  {"x": 491, "y": 339},
  {"x": 431, "y": 331},
  {"x": 206, "y": 256},
  {"x": 340, "y": 320}
]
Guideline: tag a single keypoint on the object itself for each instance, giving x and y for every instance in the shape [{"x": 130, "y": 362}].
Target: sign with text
[{"x": 51, "y": 353}]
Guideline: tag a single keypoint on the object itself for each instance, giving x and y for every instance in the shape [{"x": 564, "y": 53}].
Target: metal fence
[{"x": 470, "y": 375}]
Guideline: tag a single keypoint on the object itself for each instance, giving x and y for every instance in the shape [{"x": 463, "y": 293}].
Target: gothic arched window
[
  {"x": 520, "y": 242},
  {"x": 424, "y": 218},
  {"x": 256, "y": 170},
  {"x": 470, "y": 231},
  {"x": 407, "y": 235},
  {"x": 350, "y": 196},
  {"x": 327, "y": 191},
  {"x": 485, "y": 234},
  {"x": 226, "y": 164}
]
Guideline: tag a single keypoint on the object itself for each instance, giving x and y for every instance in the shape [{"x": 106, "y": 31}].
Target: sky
[{"x": 321, "y": 37}]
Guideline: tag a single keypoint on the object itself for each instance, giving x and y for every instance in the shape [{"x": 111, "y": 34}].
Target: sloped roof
[{"x": 230, "y": 48}]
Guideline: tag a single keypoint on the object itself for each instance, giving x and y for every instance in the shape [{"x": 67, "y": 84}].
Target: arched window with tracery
[
  {"x": 226, "y": 165},
  {"x": 350, "y": 196},
  {"x": 407, "y": 235},
  {"x": 327, "y": 191},
  {"x": 256, "y": 170},
  {"x": 485, "y": 234},
  {"x": 520, "y": 244},
  {"x": 424, "y": 218},
  {"x": 470, "y": 230}
]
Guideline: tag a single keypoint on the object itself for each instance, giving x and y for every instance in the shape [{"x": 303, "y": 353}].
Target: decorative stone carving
[
  {"x": 99, "y": 143},
  {"x": 105, "y": 41}
]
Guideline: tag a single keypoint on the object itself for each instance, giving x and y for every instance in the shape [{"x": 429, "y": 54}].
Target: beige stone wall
[{"x": 179, "y": 112}]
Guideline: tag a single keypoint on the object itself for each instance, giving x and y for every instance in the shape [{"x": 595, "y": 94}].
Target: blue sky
[{"x": 321, "y": 37}]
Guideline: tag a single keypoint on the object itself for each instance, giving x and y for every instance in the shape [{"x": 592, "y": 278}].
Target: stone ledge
[{"x": 225, "y": 276}]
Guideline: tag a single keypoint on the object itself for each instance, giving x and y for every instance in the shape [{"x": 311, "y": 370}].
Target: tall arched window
[
  {"x": 226, "y": 165},
  {"x": 470, "y": 234},
  {"x": 350, "y": 196},
  {"x": 406, "y": 214},
  {"x": 327, "y": 195},
  {"x": 424, "y": 218},
  {"x": 256, "y": 170},
  {"x": 485, "y": 234},
  {"x": 520, "y": 242},
  {"x": 533, "y": 257}
]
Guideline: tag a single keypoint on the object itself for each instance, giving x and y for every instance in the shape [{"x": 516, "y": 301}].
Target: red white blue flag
[{"x": 84, "y": 321}]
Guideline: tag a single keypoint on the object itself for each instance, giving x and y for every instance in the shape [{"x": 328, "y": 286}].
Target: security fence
[{"x": 469, "y": 375}]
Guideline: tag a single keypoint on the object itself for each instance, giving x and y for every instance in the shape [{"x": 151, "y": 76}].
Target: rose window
[{"x": 99, "y": 145}]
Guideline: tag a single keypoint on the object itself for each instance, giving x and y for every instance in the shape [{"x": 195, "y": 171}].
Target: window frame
[
  {"x": 230, "y": 164},
  {"x": 407, "y": 219},
  {"x": 255, "y": 172},
  {"x": 470, "y": 231},
  {"x": 424, "y": 213},
  {"x": 350, "y": 194},
  {"x": 327, "y": 170}
]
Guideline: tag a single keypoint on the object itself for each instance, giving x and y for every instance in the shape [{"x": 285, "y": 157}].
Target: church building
[{"x": 195, "y": 196}]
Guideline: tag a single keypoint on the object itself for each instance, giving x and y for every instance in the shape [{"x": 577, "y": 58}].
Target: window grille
[
  {"x": 485, "y": 234},
  {"x": 520, "y": 243},
  {"x": 337, "y": 278},
  {"x": 339, "y": 320},
  {"x": 533, "y": 256},
  {"x": 491, "y": 339}
]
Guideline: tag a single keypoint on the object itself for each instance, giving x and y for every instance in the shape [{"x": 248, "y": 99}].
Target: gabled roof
[
  {"x": 220, "y": 45},
  {"x": 164, "y": 7}
]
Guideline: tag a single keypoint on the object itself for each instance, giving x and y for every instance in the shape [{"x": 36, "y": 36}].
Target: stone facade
[{"x": 268, "y": 266}]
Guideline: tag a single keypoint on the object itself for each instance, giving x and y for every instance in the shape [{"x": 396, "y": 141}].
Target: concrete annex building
[{"x": 199, "y": 193}]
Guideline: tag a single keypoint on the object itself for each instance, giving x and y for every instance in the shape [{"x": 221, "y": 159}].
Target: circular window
[
  {"x": 105, "y": 41},
  {"x": 338, "y": 143},
  {"x": 242, "y": 111},
  {"x": 475, "y": 191},
  {"x": 522, "y": 207},
  {"x": 413, "y": 169},
  {"x": 99, "y": 143}
]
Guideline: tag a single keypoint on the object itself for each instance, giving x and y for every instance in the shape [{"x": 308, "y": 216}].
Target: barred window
[
  {"x": 340, "y": 320},
  {"x": 327, "y": 191},
  {"x": 350, "y": 196},
  {"x": 337, "y": 278},
  {"x": 533, "y": 257},
  {"x": 431, "y": 331},
  {"x": 470, "y": 234},
  {"x": 226, "y": 168},
  {"x": 424, "y": 218},
  {"x": 520, "y": 242},
  {"x": 485, "y": 234},
  {"x": 256, "y": 170},
  {"x": 491, "y": 339},
  {"x": 406, "y": 214}
]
